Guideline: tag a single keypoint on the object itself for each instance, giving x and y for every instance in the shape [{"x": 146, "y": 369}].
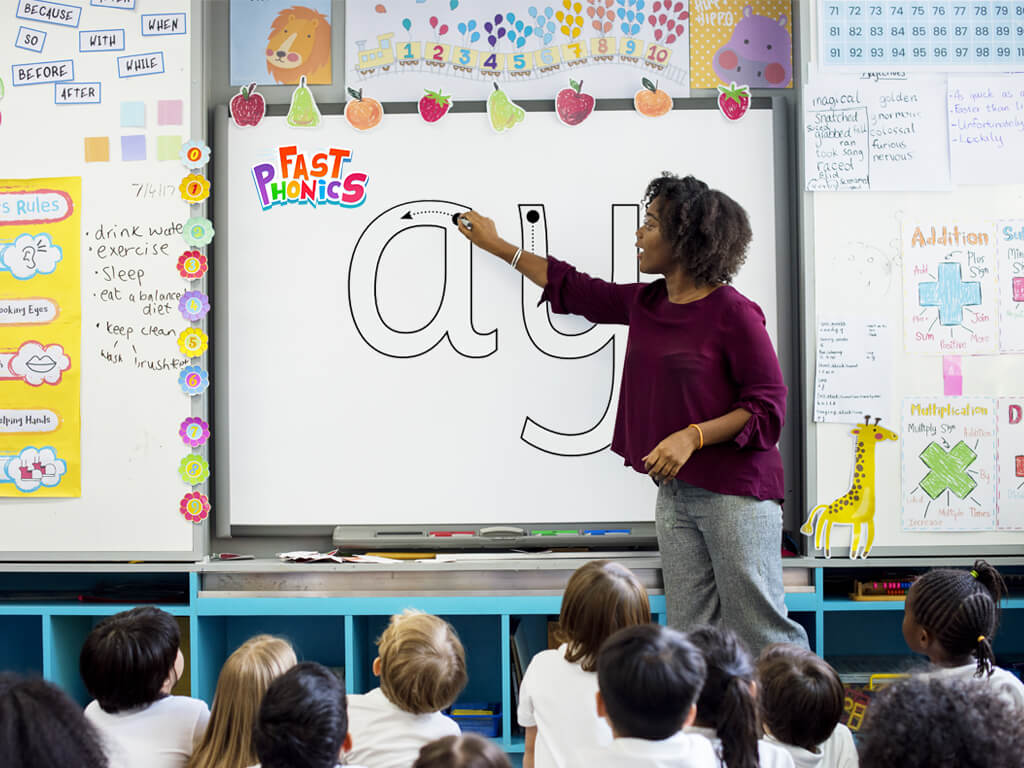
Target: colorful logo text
[{"x": 321, "y": 179}]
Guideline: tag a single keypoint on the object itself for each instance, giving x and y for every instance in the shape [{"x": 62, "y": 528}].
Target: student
[
  {"x": 556, "y": 698},
  {"x": 243, "y": 680},
  {"x": 422, "y": 669},
  {"x": 727, "y": 705},
  {"x": 951, "y": 617},
  {"x": 302, "y": 722},
  {"x": 129, "y": 663},
  {"x": 648, "y": 679},
  {"x": 925, "y": 722},
  {"x": 40, "y": 727},
  {"x": 801, "y": 700},
  {"x": 701, "y": 405},
  {"x": 466, "y": 751}
]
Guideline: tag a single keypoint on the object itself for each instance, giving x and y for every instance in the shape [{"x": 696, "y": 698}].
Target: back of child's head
[
  {"x": 727, "y": 701},
  {"x": 127, "y": 657},
  {"x": 422, "y": 663},
  {"x": 960, "y": 609},
  {"x": 924, "y": 722},
  {"x": 303, "y": 719},
  {"x": 649, "y": 677},
  {"x": 800, "y": 694},
  {"x": 601, "y": 598},
  {"x": 466, "y": 751},
  {"x": 243, "y": 681},
  {"x": 41, "y": 727}
]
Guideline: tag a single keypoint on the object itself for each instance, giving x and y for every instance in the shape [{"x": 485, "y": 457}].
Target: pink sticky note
[
  {"x": 168, "y": 112},
  {"x": 1018, "y": 289},
  {"x": 952, "y": 376}
]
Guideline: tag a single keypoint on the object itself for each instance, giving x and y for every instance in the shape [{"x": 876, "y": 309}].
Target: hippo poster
[{"x": 748, "y": 42}]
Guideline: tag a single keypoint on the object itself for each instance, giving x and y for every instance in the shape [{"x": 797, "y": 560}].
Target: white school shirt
[
  {"x": 1006, "y": 685},
  {"x": 683, "y": 750},
  {"x": 159, "y": 735},
  {"x": 384, "y": 736},
  {"x": 837, "y": 751},
  {"x": 560, "y": 699},
  {"x": 769, "y": 755}
]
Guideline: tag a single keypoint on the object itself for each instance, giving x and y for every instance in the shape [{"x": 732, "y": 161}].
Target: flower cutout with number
[
  {"x": 194, "y": 305},
  {"x": 194, "y": 469},
  {"x": 198, "y": 231},
  {"x": 192, "y": 265},
  {"x": 194, "y": 188},
  {"x": 194, "y": 431},
  {"x": 193, "y": 342},
  {"x": 195, "y": 507},
  {"x": 194, "y": 154},
  {"x": 193, "y": 380}
]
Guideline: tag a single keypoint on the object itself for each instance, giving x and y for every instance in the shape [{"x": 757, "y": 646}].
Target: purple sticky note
[
  {"x": 133, "y": 147},
  {"x": 168, "y": 112}
]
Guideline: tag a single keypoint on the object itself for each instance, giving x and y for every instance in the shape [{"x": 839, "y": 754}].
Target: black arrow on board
[{"x": 410, "y": 213}]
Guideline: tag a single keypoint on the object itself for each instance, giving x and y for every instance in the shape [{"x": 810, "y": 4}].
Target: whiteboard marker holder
[{"x": 469, "y": 537}]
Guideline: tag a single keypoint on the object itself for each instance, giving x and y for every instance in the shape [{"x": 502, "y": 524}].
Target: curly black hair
[
  {"x": 709, "y": 231},
  {"x": 922, "y": 722}
]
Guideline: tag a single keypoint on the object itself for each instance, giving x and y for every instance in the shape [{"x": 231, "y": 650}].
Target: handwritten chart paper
[
  {"x": 949, "y": 466},
  {"x": 875, "y": 133},
  {"x": 40, "y": 337},
  {"x": 1010, "y": 509},
  {"x": 949, "y": 288},
  {"x": 986, "y": 128},
  {"x": 853, "y": 371},
  {"x": 1010, "y": 244}
]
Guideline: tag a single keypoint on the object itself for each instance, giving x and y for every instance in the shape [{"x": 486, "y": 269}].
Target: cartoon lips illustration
[{"x": 40, "y": 363}]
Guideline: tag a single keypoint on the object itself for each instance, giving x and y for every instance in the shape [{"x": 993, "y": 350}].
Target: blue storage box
[{"x": 479, "y": 717}]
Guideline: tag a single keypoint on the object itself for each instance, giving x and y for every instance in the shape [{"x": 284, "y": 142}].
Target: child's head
[
  {"x": 421, "y": 663},
  {"x": 243, "y": 680},
  {"x": 801, "y": 695},
  {"x": 727, "y": 702},
  {"x": 303, "y": 719},
  {"x": 41, "y": 726},
  {"x": 923, "y": 722},
  {"x": 702, "y": 230},
  {"x": 601, "y": 598},
  {"x": 951, "y": 615},
  {"x": 648, "y": 678},
  {"x": 131, "y": 659},
  {"x": 465, "y": 751}
]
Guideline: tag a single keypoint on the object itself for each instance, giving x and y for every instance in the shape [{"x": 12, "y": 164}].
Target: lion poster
[{"x": 276, "y": 42}]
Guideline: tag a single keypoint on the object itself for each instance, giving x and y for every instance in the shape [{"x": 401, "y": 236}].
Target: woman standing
[{"x": 701, "y": 406}]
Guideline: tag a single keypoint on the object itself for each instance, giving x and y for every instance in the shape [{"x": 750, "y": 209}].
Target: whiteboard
[
  {"x": 379, "y": 371},
  {"x": 858, "y": 270},
  {"x": 128, "y": 508}
]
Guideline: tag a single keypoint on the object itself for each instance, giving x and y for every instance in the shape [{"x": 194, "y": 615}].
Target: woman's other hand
[{"x": 669, "y": 456}]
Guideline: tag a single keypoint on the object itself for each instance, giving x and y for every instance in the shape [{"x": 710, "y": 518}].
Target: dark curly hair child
[{"x": 951, "y": 617}]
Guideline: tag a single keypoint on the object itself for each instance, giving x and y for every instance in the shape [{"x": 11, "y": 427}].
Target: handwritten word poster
[
  {"x": 399, "y": 50},
  {"x": 950, "y": 294},
  {"x": 986, "y": 127},
  {"x": 1010, "y": 244},
  {"x": 853, "y": 371},
  {"x": 949, "y": 464},
  {"x": 40, "y": 337},
  {"x": 749, "y": 42},
  {"x": 875, "y": 132}
]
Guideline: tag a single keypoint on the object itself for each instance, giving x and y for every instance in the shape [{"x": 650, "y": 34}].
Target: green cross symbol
[{"x": 947, "y": 470}]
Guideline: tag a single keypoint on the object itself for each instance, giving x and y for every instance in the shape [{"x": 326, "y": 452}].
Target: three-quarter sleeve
[
  {"x": 755, "y": 369},
  {"x": 573, "y": 292}
]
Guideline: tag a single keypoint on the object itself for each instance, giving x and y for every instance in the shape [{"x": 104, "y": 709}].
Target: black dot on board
[
  {"x": 455, "y": 219},
  {"x": 532, "y": 216}
]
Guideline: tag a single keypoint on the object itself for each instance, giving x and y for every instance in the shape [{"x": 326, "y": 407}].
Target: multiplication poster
[
  {"x": 40, "y": 337},
  {"x": 398, "y": 50}
]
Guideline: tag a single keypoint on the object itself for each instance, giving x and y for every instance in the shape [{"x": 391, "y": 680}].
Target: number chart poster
[
  {"x": 40, "y": 337},
  {"x": 749, "y": 42},
  {"x": 399, "y": 50}
]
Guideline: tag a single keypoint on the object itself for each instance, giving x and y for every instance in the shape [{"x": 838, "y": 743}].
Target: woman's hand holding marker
[{"x": 481, "y": 232}]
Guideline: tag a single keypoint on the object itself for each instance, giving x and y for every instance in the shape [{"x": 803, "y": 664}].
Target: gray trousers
[{"x": 721, "y": 562}]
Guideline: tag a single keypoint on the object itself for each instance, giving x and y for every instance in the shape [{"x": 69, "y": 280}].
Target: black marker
[{"x": 456, "y": 220}]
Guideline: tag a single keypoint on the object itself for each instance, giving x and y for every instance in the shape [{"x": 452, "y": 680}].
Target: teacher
[{"x": 701, "y": 405}]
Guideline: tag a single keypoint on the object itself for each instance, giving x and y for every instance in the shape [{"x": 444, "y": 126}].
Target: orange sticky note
[{"x": 97, "y": 149}]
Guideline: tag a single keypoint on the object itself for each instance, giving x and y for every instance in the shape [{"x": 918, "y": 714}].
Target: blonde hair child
[{"x": 243, "y": 680}]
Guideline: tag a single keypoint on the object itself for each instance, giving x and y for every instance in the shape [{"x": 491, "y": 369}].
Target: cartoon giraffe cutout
[{"x": 856, "y": 507}]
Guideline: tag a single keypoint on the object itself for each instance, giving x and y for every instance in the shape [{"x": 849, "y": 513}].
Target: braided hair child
[{"x": 951, "y": 617}]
